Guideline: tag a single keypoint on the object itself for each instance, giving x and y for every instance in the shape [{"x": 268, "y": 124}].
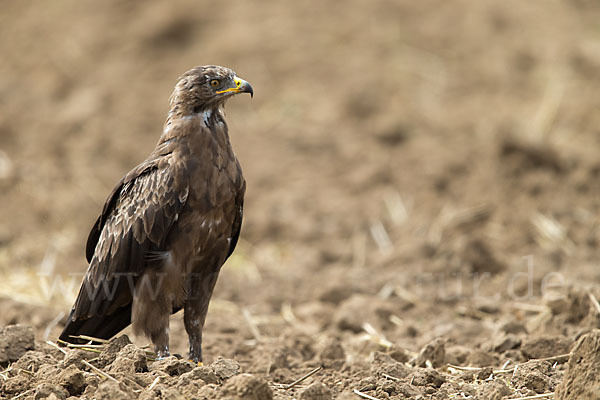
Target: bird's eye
[{"x": 214, "y": 83}]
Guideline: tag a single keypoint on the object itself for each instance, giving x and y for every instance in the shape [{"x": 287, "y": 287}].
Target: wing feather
[
  {"x": 134, "y": 223},
  {"x": 237, "y": 222}
]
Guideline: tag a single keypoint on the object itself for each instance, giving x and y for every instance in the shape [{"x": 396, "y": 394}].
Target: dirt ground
[{"x": 422, "y": 212}]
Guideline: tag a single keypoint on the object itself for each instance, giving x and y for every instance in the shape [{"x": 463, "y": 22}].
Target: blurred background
[{"x": 395, "y": 151}]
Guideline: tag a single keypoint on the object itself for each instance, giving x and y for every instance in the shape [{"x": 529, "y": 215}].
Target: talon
[
  {"x": 198, "y": 364},
  {"x": 162, "y": 354}
]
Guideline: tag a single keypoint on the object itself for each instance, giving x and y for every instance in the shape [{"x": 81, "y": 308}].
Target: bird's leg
[
  {"x": 150, "y": 313},
  {"x": 196, "y": 348},
  {"x": 161, "y": 343},
  {"x": 193, "y": 319},
  {"x": 199, "y": 290},
  {"x": 157, "y": 326}
]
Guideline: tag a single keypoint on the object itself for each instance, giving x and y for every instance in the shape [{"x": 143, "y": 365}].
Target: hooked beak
[{"x": 241, "y": 86}]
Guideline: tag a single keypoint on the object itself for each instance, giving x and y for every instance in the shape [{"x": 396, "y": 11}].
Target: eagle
[{"x": 169, "y": 224}]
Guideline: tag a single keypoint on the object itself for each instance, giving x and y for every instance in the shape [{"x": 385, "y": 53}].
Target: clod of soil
[
  {"x": 582, "y": 379},
  {"x": 383, "y": 364},
  {"x": 546, "y": 346},
  {"x": 32, "y": 361},
  {"x": 73, "y": 380},
  {"x": 130, "y": 359},
  {"x": 15, "y": 340},
  {"x": 53, "y": 392},
  {"x": 109, "y": 390},
  {"x": 427, "y": 377},
  {"x": 246, "y": 387},
  {"x": 172, "y": 366},
  {"x": 16, "y": 384},
  {"x": 225, "y": 368},
  {"x": 533, "y": 375},
  {"x": 332, "y": 350},
  {"x": 574, "y": 307},
  {"x": 506, "y": 342},
  {"x": 75, "y": 357},
  {"x": 433, "y": 353},
  {"x": 316, "y": 391},
  {"x": 480, "y": 358},
  {"x": 332, "y": 355},
  {"x": 494, "y": 390},
  {"x": 190, "y": 383},
  {"x": 456, "y": 354},
  {"x": 513, "y": 327},
  {"x": 109, "y": 353},
  {"x": 204, "y": 373}
]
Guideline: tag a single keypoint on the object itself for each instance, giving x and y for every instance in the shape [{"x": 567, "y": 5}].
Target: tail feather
[{"x": 98, "y": 326}]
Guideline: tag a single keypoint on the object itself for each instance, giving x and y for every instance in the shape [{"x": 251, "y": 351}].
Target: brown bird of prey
[{"x": 169, "y": 225}]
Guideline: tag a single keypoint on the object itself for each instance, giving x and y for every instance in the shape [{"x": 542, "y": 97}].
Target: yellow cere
[{"x": 238, "y": 83}]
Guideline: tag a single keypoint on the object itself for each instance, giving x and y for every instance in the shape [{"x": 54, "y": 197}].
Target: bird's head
[{"x": 206, "y": 87}]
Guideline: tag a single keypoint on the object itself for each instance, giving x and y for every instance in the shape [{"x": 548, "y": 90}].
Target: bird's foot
[
  {"x": 195, "y": 354},
  {"x": 198, "y": 363},
  {"x": 162, "y": 353}
]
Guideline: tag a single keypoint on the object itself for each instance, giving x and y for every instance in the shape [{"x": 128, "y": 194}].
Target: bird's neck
[{"x": 182, "y": 123}]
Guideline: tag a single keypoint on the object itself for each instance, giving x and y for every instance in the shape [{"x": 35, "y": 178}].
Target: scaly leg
[{"x": 199, "y": 291}]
